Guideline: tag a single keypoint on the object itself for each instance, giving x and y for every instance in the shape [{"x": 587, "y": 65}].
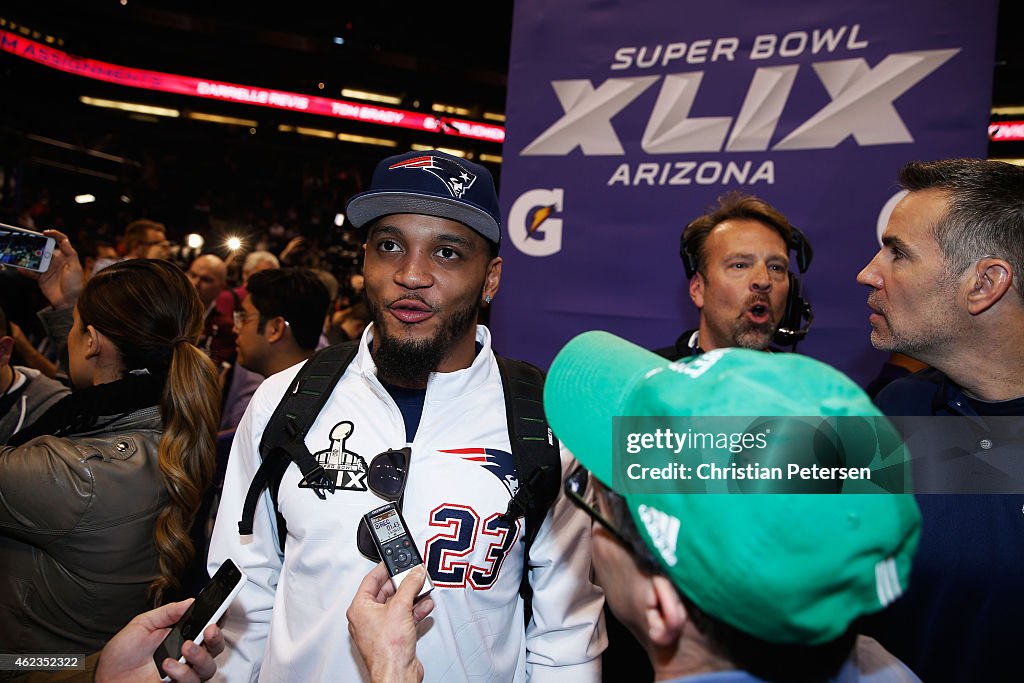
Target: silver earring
[{"x": 488, "y": 298}]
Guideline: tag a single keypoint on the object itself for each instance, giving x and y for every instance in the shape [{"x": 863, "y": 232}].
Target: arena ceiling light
[
  {"x": 449, "y": 109},
  {"x": 316, "y": 132},
  {"x": 133, "y": 107},
  {"x": 370, "y": 96},
  {"x": 363, "y": 140},
  {"x": 84, "y": 198},
  {"x": 343, "y": 137},
  {"x": 448, "y": 150},
  {"x": 217, "y": 118}
]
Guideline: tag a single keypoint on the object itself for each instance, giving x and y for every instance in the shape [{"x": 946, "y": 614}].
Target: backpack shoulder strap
[
  {"x": 283, "y": 440},
  {"x": 535, "y": 451}
]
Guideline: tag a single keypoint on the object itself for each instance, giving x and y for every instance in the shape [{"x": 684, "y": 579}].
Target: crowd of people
[
  {"x": 178, "y": 414},
  {"x": 138, "y": 369}
]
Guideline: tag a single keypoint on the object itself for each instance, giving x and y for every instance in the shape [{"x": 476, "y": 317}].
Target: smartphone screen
[
  {"x": 25, "y": 249},
  {"x": 209, "y": 605}
]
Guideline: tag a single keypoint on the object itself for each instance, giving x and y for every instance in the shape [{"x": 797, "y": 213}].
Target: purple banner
[{"x": 627, "y": 120}]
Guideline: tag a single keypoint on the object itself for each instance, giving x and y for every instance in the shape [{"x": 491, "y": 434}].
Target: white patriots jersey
[{"x": 289, "y": 624}]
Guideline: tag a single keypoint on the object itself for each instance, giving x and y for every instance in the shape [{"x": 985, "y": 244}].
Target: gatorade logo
[{"x": 534, "y": 223}]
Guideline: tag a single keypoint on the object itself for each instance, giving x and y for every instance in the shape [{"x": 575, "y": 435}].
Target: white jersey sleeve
[
  {"x": 566, "y": 636},
  {"x": 248, "y": 618}
]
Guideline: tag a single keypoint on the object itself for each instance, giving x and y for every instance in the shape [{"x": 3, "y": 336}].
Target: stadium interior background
[{"x": 260, "y": 176}]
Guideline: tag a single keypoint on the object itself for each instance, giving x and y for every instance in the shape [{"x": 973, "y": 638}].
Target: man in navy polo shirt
[{"x": 947, "y": 288}]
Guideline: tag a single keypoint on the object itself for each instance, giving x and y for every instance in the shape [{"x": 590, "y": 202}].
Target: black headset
[{"x": 792, "y": 325}]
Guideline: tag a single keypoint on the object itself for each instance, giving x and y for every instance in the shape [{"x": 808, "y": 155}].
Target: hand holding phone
[
  {"x": 25, "y": 249},
  {"x": 62, "y": 283},
  {"x": 208, "y": 608}
]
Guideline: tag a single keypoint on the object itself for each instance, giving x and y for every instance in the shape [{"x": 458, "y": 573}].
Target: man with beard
[
  {"x": 946, "y": 289},
  {"x": 424, "y": 378},
  {"x": 737, "y": 256},
  {"x": 719, "y": 588}
]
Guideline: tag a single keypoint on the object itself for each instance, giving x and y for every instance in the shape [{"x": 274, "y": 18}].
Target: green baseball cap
[{"x": 786, "y": 568}]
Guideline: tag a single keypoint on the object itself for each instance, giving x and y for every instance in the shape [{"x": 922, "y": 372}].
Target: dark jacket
[
  {"x": 218, "y": 338},
  {"x": 76, "y": 534},
  {"x": 22, "y": 406},
  {"x": 928, "y": 392},
  {"x": 682, "y": 349},
  {"x": 959, "y": 621}
]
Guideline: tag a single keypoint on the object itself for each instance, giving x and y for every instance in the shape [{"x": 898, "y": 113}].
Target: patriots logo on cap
[
  {"x": 455, "y": 177},
  {"x": 499, "y": 463}
]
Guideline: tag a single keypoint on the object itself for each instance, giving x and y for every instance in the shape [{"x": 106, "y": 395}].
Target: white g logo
[{"x": 542, "y": 236}]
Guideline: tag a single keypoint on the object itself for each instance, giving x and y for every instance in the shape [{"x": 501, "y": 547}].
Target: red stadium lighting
[{"x": 229, "y": 92}]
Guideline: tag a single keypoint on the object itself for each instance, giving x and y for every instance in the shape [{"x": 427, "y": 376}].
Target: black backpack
[{"x": 534, "y": 447}]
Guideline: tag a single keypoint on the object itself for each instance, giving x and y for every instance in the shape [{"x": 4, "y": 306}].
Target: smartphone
[
  {"x": 395, "y": 545},
  {"x": 208, "y": 607},
  {"x": 24, "y": 248}
]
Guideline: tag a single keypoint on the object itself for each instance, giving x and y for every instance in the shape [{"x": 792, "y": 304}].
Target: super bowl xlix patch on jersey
[{"x": 343, "y": 469}]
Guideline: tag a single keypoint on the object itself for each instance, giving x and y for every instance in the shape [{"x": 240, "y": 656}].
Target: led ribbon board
[
  {"x": 1006, "y": 131},
  {"x": 244, "y": 94}
]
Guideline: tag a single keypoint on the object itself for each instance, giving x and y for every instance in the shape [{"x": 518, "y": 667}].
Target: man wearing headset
[{"x": 737, "y": 259}]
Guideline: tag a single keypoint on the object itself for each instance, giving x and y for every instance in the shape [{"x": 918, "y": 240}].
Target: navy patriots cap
[{"x": 434, "y": 184}]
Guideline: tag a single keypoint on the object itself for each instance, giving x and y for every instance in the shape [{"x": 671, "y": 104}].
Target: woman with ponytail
[{"x": 98, "y": 495}]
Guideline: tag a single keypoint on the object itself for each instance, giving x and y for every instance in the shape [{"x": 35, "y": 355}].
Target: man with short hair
[
  {"x": 209, "y": 275},
  {"x": 96, "y": 256},
  {"x": 425, "y": 378},
  {"x": 25, "y": 393},
  {"x": 144, "y": 238},
  {"x": 715, "y": 586},
  {"x": 946, "y": 289},
  {"x": 241, "y": 383},
  {"x": 254, "y": 262},
  {"x": 280, "y": 320},
  {"x": 257, "y": 261},
  {"x": 277, "y": 326},
  {"x": 737, "y": 258}
]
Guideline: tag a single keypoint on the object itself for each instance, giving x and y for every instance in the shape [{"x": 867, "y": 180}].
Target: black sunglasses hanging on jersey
[{"x": 386, "y": 477}]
